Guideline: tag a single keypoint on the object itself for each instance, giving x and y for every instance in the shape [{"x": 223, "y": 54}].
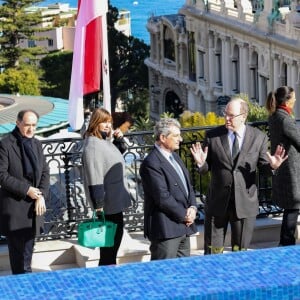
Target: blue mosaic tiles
[{"x": 260, "y": 274}]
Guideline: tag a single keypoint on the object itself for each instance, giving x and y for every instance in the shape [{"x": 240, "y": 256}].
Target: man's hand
[
  {"x": 40, "y": 206},
  {"x": 190, "y": 216},
  {"x": 198, "y": 154},
  {"x": 34, "y": 193},
  {"x": 278, "y": 158}
]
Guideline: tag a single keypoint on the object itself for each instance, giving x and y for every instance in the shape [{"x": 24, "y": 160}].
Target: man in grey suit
[
  {"x": 170, "y": 205},
  {"x": 232, "y": 153}
]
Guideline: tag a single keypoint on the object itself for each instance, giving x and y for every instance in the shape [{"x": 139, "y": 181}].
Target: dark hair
[
  {"x": 120, "y": 118},
  {"x": 279, "y": 97},
  {"x": 21, "y": 114},
  {"x": 99, "y": 115}
]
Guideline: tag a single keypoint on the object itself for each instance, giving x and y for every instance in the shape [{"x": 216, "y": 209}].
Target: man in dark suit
[
  {"x": 24, "y": 180},
  {"x": 170, "y": 204},
  {"x": 232, "y": 154}
]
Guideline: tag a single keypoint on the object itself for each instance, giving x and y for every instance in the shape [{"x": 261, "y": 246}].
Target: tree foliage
[
  {"x": 126, "y": 60},
  {"x": 126, "y": 55},
  {"x": 128, "y": 72},
  {"x": 23, "y": 80},
  {"x": 56, "y": 74},
  {"x": 16, "y": 25},
  {"x": 195, "y": 119},
  {"x": 256, "y": 111},
  {"x": 136, "y": 102}
]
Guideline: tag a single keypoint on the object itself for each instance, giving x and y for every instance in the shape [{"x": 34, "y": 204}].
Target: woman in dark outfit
[{"x": 286, "y": 180}]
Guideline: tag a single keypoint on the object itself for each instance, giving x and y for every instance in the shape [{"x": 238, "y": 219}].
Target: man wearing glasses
[{"x": 232, "y": 153}]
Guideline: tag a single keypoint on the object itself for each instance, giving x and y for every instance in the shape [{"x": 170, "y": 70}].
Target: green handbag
[{"x": 96, "y": 233}]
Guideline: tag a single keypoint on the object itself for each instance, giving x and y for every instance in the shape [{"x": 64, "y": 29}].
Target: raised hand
[
  {"x": 198, "y": 154},
  {"x": 278, "y": 158}
]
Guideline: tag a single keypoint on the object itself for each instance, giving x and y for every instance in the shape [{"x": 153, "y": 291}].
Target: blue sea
[{"x": 140, "y": 10}]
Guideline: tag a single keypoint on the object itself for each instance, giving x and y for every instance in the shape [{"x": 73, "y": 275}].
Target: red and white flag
[{"x": 90, "y": 58}]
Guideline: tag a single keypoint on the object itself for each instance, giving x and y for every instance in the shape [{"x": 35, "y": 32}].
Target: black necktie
[{"x": 235, "y": 147}]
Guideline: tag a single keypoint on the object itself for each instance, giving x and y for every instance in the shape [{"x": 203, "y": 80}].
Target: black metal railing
[{"x": 67, "y": 204}]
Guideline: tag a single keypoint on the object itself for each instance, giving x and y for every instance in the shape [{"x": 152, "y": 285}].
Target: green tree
[
  {"x": 256, "y": 112},
  {"x": 16, "y": 25},
  {"x": 56, "y": 74},
  {"x": 23, "y": 80},
  {"x": 127, "y": 70},
  {"x": 126, "y": 60},
  {"x": 136, "y": 102}
]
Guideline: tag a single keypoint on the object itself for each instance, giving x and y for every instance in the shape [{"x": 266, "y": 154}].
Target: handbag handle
[{"x": 101, "y": 214}]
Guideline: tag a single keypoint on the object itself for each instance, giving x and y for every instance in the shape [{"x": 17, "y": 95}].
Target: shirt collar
[
  {"x": 164, "y": 152},
  {"x": 240, "y": 133}
]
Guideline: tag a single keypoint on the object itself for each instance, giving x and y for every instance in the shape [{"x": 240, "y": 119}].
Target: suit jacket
[
  {"x": 239, "y": 176},
  {"x": 286, "y": 182},
  {"x": 166, "y": 200},
  {"x": 16, "y": 208}
]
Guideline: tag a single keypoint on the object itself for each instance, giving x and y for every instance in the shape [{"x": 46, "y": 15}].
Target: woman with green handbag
[{"x": 104, "y": 178}]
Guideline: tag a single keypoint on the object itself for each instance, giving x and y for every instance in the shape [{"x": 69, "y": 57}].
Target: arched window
[
  {"x": 192, "y": 56},
  {"x": 173, "y": 104},
  {"x": 169, "y": 46},
  {"x": 236, "y": 69}
]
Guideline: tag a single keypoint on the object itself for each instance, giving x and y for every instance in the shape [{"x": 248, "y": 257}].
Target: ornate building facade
[{"x": 213, "y": 49}]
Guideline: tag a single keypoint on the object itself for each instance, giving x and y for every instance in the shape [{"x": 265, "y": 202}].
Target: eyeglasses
[{"x": 229, "y": 116}]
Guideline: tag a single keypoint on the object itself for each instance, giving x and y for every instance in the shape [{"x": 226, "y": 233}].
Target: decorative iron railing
[{"x": 67, "y": 204}]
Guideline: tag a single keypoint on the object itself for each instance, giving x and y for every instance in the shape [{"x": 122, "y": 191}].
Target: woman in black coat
[{"x": 286, "y": 180}]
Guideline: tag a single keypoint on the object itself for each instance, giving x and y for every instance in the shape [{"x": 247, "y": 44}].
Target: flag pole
[
  {"x": 89, "y": 59},
  {"x": 105, "y": 62}
]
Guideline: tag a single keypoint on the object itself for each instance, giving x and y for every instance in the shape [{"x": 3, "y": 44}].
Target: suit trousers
[
  {"x": 288, "y": 227},
  {"x": 170, "y": 248},
  {"x": 108, "y": 255},
  {"x": 20, "y": 248},
  {"x": 216, "y": 228}
]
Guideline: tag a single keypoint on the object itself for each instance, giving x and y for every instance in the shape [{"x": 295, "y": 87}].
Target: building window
[
  {"x": 173, "y": 104},
  {"x": 254, "y": 84},
  {"x": 219, "y": 69},
  {"x": 169, "y": 46},
  {"x": 201, "y": 64},
  {"x": 283, "y": 74},
  {"x": 254, "y": 96},
  {"x": 50, "y": 43},
  {"x": 192, "y": 56},
  {"x": 218, "y": 63},
  {"x": 235, "y": 82},
  {"x": 236, "y": 70},
  {"x": 31, "y": 44}
]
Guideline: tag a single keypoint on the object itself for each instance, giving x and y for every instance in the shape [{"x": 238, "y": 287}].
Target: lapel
[
  {"x": 225, "y": 145},
  {"x": 15, "y": 146},
  {"x": 17, "y": 150},
  {"x": 183, "y": 168},
  {"x": 35, "y": 145},
  {"x": 179, "y": 181},
  {"x": 248, "y": 140},
  {"x": 165, "y": 164}
]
